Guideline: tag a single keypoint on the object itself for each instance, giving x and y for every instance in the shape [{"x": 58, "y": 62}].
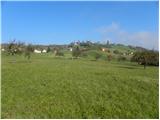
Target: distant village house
[
  {"x": 105, "y": 50},
  {"x": 37, "y": 51},
  {"x": 44, "y": 51}
]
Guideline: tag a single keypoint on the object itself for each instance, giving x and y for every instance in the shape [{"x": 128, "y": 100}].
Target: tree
[
  {"x": 48, "y": 49},
  {"x": 121, "y": 58},
  {"x": 109, "y": 57},
  {"x": 15, "y": 47},
  {"x": 76, "y": 52},
  {"x": 84, "y": 54},
  {"x": 59, "y": 53},
  {"x": 10, "y": 48},
  {"x": 28, "y": 51},
  {"x": 147, "y": 57},
  {"x": 97, "y": 55},
  {"x": 116, "y": 52},
  {"x": 108, "y": 45}
]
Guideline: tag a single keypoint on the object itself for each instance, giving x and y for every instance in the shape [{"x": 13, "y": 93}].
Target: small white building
[
  {"x": 131, "y": 53},
  {"x": 44, "y": 51},
  {"x": 70, "y": 49},
  {"x": 3, "y": 49},
  {"x": 37, "y": 51},
  {"x": 103, "y": 49}
]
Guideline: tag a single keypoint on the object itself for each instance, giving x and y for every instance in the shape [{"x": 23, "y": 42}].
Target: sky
[{"x": 52, "y": 22}]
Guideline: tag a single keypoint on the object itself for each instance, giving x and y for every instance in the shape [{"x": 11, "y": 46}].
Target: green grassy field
[{"x": 49, "y": 87}]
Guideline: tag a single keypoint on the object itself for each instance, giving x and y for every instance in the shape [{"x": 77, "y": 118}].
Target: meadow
[{"x": 57, "y": 87}]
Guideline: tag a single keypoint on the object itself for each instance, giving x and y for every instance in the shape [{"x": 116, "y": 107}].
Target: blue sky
[{"x": 134, "y": 23}]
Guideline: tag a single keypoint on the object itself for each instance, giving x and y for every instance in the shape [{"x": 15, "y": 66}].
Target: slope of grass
[{"x": 49, "y": 87}]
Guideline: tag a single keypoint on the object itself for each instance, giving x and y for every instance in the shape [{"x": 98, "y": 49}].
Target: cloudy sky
[{"x": 130, "y": 23}]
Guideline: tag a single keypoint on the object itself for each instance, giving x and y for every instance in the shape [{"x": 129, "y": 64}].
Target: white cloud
[
  {"x": 111, "y": 28},
  {"x": 116, "y": 34}
]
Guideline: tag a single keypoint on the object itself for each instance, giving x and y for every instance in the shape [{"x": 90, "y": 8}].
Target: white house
[
  {"x": 131, "y": 53},
  {"x": 3, "y": 49},
  {"x": 37, "y": 51},
  {"x": 103, "y": 49},
  {"x": 70, "y": 49},
  {"x": 44, "y": 51}
]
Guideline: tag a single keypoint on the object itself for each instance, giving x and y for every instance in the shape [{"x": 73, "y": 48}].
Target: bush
[
  {"x": 109, "y": 57},
  {"x": 83, "y": 54},
  {"x": 76, "y": 52},
  {"x": 28, "y": 50},
  {"x": 147, "y": 57},
  {"x": 59, "y": 53},
  {"x": 48, "y": 49},
  {"x": 15, "y": 48},
  {"x": 116, "y": 52},
  {"x": 97, "y": 55},
  {"x": 121, "y": 58}
]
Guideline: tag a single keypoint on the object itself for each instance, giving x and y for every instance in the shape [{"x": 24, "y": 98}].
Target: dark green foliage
[
  {"x": 29, "y": 49},
  {"x": 116, "y": 52},
  {"x": 83, "y": 54},
  {"x": 108, "y": 44},
  {"x": 121, "y": 58},
  {"x": 109, "y": 57},
  {"x": 76, "y": 52},
  {"x": 19, "y": 48},
  {"x": 48, "y": 49},
  {"x": 147, "y": 57},
  {"x": 97, "y": 55},
  {"x": 59, "y": 53},
  {"x": 10, "y": 48},
  {"x": 15, "y": 48},
  {"x": 27, "y": 55}
]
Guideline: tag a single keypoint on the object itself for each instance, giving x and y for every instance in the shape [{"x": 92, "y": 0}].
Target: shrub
[
  {"x": 76, "y": 52},
  {"x": 59, "y": 53},
  {"x": 28, "y": 50},
  {"x": 109, "y": 57},
  {"x": 121, "y": 58},
  {"x": 97, "y": 55},
  {"x": 15, "y": 48},
  {"x": 83, "y": 54},
  {"x": 116, "y": 52},
  {"x": 147, "y": 57},
  {"x": 48, "y": 49}
]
